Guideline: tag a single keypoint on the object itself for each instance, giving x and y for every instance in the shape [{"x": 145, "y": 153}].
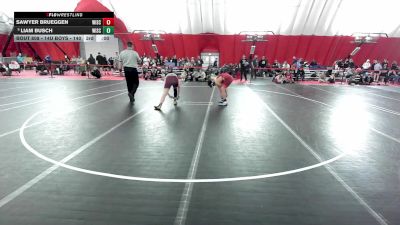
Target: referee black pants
[
  {"x": 132, "y": 79},
  {"x": 243, "y": 74}
]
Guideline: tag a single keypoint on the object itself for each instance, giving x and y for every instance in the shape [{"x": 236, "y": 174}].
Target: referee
[{"x": 130, "y": 60}]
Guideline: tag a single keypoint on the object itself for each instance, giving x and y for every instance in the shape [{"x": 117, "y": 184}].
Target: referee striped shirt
[{"x": 129, "y": 58}]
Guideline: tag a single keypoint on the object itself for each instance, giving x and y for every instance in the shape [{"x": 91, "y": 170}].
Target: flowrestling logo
[{"x": 64, "y": 15}]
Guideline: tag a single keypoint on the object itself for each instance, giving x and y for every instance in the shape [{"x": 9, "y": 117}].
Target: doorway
[{"x": 209, "y": 58}]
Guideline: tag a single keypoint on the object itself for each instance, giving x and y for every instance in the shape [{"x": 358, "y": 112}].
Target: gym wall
[
  {"x": 324, "y": 49},
  {"x": 108, "y": 48}
]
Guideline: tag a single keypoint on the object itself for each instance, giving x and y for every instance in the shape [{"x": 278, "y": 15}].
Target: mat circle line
[{"x": 172, "y": 180}]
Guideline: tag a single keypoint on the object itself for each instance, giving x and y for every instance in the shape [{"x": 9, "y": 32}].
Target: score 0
[{"x": 108, "y": 21}]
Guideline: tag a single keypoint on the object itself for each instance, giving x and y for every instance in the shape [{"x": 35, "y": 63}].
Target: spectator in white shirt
[
  {"x": 366, "y": 65},
  {"x": 377, "y": 71}
]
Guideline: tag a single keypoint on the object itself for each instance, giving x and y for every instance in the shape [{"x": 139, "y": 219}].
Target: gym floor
[{"x": 76, "y": 152}]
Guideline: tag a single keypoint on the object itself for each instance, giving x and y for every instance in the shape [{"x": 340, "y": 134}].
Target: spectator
[
  {"x": 160, "y": 60},
  {"x": 394, "y": 74},
  {"x": 394, "y": 66},
  {"x": 146, "y": 61},
  {"x": 152, "y": 62},
  {"x": 366, "y": 66},
  {"x": 300, "y": 69},
  {"x": 117, "y": 63},
  {"x": 356, "y": 78},
  {"x": 175, "y": 61},
  {"x": 349, "y": 72},
  {"x": 299, "y": 63},
  {"x": 293, "y": 70},
  {"x": 276, "y": 66},
  {"x": 340, "y": 64},
  {"x": 47, "y": 59},
  {"x": 263, "y": 64},
  {"x": 385, "y": 70},
  {"x": 313, "y": 64},
  {"x": 166, "y": 61},
  {"x": 300, "y": 74},
  {"x": 215, "y": 64},
  {"x": 199, "y": 62},
  {"x": 243, "y": 68},
  {"x": 99, "y": 58},
  {"x": 111, "y": 61},
  {"x": 67, "y": 59},
  {"x": 373, "y": 64},
  {"x": 294, "y": 61},
  {"x": 285, "y": 66},
  {"x": 254, "y": 65},
  {"x": 20, "y": 60},
  {"x": 91, "y": 60},
  {"x": 192, "y": 64},
  {"x": 346, "y": 64},
  {"x": 351, "y": 64},
  {"x": 104, "y": 62},
  {"x": 188, "y": 68},
  {"x": 377, "y": 71},
  {"x": 3, "y": 68},
  {"x": 47, "y": 63},
  {"x": 181, "y": 62},
  {"x": 82, "y": 65}
]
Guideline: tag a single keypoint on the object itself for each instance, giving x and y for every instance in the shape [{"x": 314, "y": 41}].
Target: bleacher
[{"x": 313, "y": 74}]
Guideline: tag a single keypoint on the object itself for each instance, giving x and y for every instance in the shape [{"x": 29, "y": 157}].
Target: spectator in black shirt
[
  {"x": 339, "y": 63},
  {"x": 394, "y": 74},
  {"x": 394, "y": 66},
  {"x": 91, "y": 60},
  {"x": 175, "y": 61},
  {"x": 99, "y": 58},
  {"x": 346, "y": 64},
  {"x": 373, "y": 64},
  {"x": 263, "y": 64},
  {"x": 300, "y": 74},
  {"x": 243, "y": 68},
  {"x": 111, "y": 61},
  {"x": 215, "y": 62},
  {"x": 101, "y": 61},
  {"x": 351, "y": 64},
  {"x": 104, "y": 62},
  {"x": 385, "y": 65},
  {"x": 159, "y": 60},
  {"x": 199, "y": 61},
  {"x": 385, "y": 70}
]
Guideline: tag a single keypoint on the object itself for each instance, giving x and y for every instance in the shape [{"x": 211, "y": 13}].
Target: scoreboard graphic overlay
[{"x": 63, "y": 26}]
